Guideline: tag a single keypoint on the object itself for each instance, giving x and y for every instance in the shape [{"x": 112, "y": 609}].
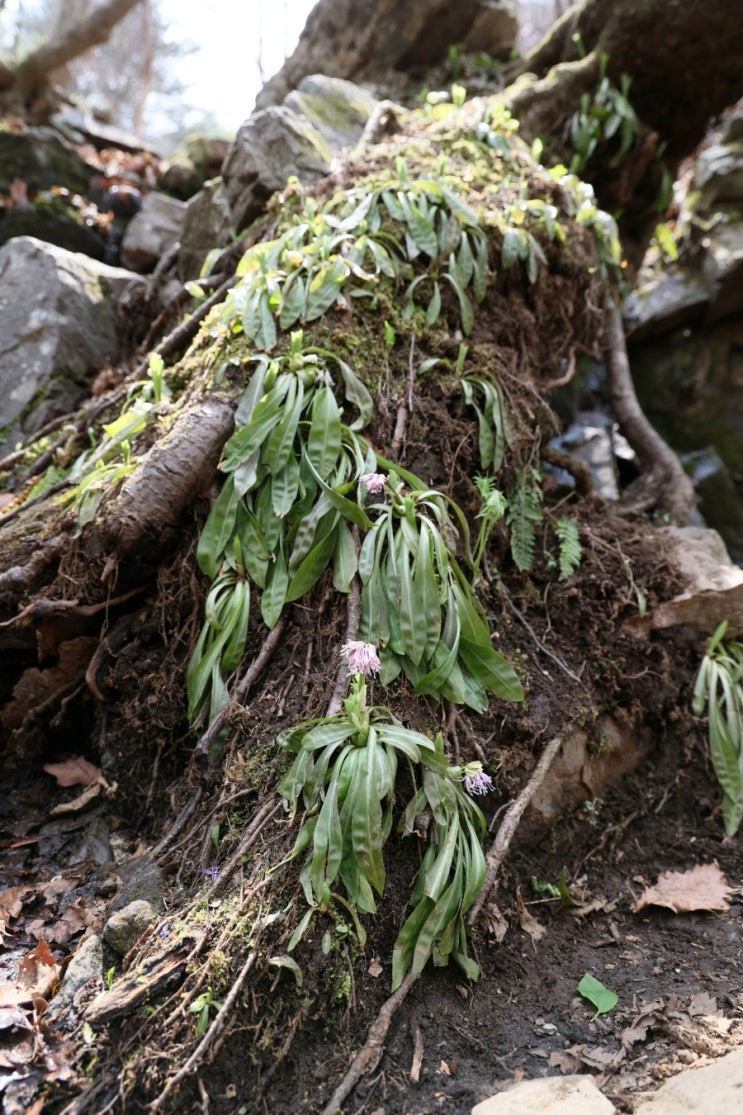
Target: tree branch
[{"x": 36, "y": 67}]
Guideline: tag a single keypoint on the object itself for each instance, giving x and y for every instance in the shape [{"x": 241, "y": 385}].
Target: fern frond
[
  {"x": 523, "y": 516},
  {"x": 571, "y": 551}
]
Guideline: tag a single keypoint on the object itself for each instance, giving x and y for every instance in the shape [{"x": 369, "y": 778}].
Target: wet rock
[
  {"x": 723, "y": 269},
  {"x": 59, "y": 328},
  {"x": 84, "y": 969},
  {"x": 125, "y": 927},
  {"x": 296, "y": 139},
  {"x": 553, "y": 1095},
  {"x": 156, "y": 227},
  {"x": 704, "y": 1091}
]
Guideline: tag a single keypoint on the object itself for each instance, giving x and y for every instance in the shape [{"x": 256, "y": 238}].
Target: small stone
[
  {"x": 551, "y": 1095},
  {"x": 125, "y": 927}
]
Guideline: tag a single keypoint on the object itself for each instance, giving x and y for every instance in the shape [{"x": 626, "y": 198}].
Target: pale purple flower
[
  {"x": 212, "y": 873},
  {"x": 362, "y": 658},
  {"x": 374, "y": 482},
  {"x": 476, "y": 781},
  {"x": 164, "y": 930}
]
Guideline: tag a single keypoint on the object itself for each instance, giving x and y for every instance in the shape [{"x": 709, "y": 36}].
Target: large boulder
[
  {"x": 206, "y": 225},
  {"x": 58, "y": 310},
  {"x": 299, "y": 138}
]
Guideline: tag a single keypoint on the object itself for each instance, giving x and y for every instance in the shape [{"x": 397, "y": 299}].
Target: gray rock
[
  {"x": 663, "y": 303},
  {"x": 705, "y": 1091},
  {"x": 723, "y": 269},
  {"x": 198, "y": 159},
  {"x": 125, "y": 927},
  {"x": 718, "y": 174},
  {"x": 552, "y": 1095},
  {"x": 338, "y": 109},
  {"x": 298, "y": 139},
  {"x": 206, "y": 225},
  {"x": 156, "y": 227},
  {"x": 85, "y": 967},
  {"x": 41, "y": 158},
  {"x": 58, "y": 326}
]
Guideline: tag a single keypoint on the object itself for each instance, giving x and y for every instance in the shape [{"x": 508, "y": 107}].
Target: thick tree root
[
  {"x": 664, "y": 485},
  {"x": 369, "y": 1056}
]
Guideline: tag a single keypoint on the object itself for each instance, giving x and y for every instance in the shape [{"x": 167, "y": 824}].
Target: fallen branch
[
  {"x": 369, "y": 1056},
  {"x": 509, "y": 824}
]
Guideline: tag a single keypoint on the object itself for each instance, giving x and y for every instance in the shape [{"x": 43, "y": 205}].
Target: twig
[
  {"x": 405, "y": 408},
  {"x": 353, "y": 606},
  {"x": 179, "y": 824},
  {"x": 209, "y": 1037},
  {"x": 509, "y": 824},
  {"x": 564, "y": 380},
  {"x": 258, "y": 664},
  {"x": 522, "y": 618},
  {"x": 369, "y": 1056}
]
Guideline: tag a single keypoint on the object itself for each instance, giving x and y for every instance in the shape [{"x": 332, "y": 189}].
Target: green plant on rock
[
  {"x": 602, "y": 115},
  {"x": 719, "y": 687}
]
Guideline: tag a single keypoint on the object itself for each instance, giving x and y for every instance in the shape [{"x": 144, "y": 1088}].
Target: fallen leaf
[
  {"x": 703, "y": 1004},
  {"x": 579, "y": 1056},
  {"x": 601, "y": 997},
  {"x": 375, "y": 968},
  {"x": 529, "y": 924},
  {"x": 703, "y": 887},
  {"x": 497, "y": 925},
  {"x": 73, "y": 772},
  {"x": 90, "y": 794}
]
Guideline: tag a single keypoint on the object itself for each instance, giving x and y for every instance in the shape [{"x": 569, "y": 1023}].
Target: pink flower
[
  {"x": 362, "y": 658},
  {"x": 476, "y": 781},
  {"x": 374, "y": 481}
]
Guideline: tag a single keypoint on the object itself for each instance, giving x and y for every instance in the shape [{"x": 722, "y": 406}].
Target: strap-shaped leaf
[
  {"x": 267, "y": 413},
  {"x": 324, "y": 441},
  {"x": 345, "y": 559},
  {"x": 284, "y": 487},
  {"x": 218, "y": 530},
  {"x": 279, "y": 444},
  {"x": 314, "y": 565},
  {"x": 274, "y": 594}
]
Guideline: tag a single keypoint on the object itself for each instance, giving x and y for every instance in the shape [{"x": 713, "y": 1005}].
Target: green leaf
[
  {"x": 324, "y": 442},
  {"x": 465, "y": 306},
  {"x": 274, "y": 594},
  {"x": 218, "y": 530},
  {"x": 601, "y": 998},
  {"x": 345, "y": 559},
  {"x": 313, "y": 566},
  {"x": 279, "y": 444},
  {"x": 434, "y": 306},
  {"x": 324, "y": 288}
]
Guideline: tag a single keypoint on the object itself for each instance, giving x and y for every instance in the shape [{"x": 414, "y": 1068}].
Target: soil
[
  {"x": 524, "y": 1018},
  {"x": 201, "y": 833}
]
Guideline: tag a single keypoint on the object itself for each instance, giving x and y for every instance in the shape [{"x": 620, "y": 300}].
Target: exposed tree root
[
  {"x": 368, "y": 1057},
  {"x": 210, "y": 1037},
  {"x": 510, "y": 822},
  {"x": 664, "y": 485}
]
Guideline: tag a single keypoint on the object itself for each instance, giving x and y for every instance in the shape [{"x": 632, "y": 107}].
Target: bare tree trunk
[
  {"x": 32, "y": 73},
  {"x": 145, "y": 77}
]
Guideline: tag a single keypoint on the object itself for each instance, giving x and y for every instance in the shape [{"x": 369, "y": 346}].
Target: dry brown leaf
[
  {"x": 90, "y": 794},
  {"x": 496, "y": 924},
  {"x": 529, "y": 924},
  {"x": 703, "y": 887},
  {"x": 375, "y": 968},
  {"x": 703, "y": 1004},
  {"x": 73, "y": 772},
  {"x": 578, "y": 1057}
]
